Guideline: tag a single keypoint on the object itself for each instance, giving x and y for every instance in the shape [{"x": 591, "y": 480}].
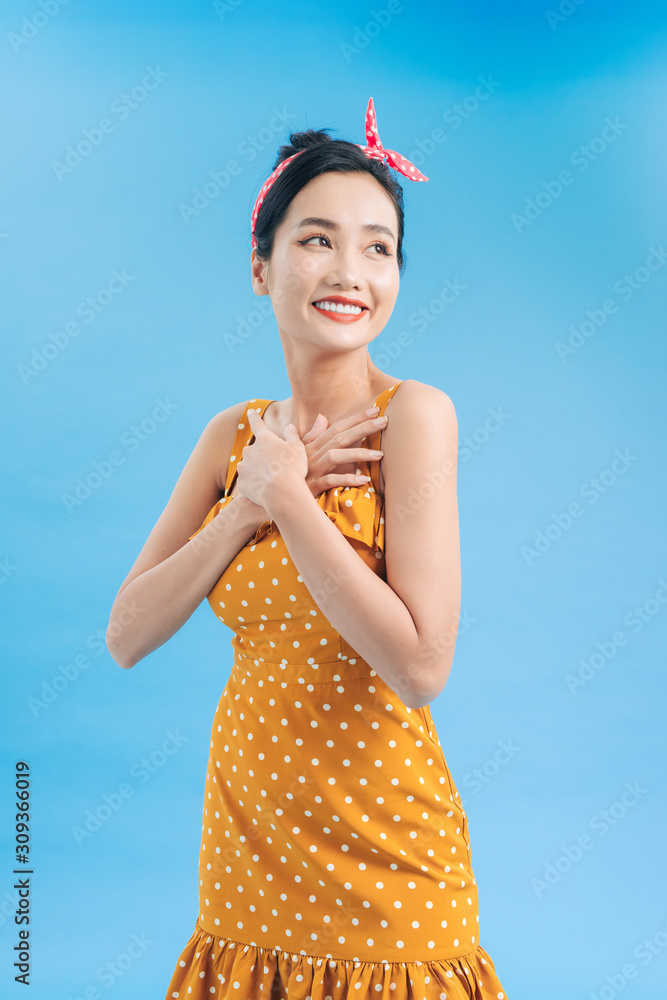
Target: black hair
[{"x": 321, "y": 155}]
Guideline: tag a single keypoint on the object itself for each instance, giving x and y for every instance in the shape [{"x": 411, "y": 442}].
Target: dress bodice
[{"x": 262, "y": 597}]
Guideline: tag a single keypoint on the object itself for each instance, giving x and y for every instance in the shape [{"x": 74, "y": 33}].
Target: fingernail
[{"x": 372, "y": 410}]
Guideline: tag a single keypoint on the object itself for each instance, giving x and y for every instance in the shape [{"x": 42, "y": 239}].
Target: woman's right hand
[{"x": 327, "y": 447}]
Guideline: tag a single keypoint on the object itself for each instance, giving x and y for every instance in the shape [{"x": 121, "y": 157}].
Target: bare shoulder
[
  {"x": 199, "y": 486},
  {"x": 219, "y": 434},
  {"x": 419, "y": 415},
  {"x": 414, "y": 395}
]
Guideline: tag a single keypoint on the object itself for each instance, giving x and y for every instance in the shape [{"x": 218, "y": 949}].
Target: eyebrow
[{"x": 368, "y": 227}]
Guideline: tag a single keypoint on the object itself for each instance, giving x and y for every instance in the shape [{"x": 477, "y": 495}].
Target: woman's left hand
[{"x": 271, "y": 465}]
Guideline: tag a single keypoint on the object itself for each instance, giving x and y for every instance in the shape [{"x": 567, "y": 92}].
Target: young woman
[{"x": 335, "y": 858}]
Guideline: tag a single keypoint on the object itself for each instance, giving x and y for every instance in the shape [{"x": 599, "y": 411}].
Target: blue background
[{"x": 531, "y": 622}]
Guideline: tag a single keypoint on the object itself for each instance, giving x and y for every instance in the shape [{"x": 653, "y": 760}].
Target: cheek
[
  {"x": 387, "y": 293},
  {"x": 310, "y": 267},
  {"x": 295, "y": 282}
]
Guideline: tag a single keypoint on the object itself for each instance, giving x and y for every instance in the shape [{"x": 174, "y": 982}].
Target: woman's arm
[
  {"x": 405, "y": 628},
  {"x": 171, "y": 576},
  {"x": 154, "y": 606}
]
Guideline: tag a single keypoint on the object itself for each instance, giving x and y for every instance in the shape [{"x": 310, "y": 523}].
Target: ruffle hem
[{"x": 230, "y": 970}]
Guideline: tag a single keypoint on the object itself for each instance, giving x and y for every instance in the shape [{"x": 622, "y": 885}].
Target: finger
[
  {"x": 256, "y": 422},
  {"x": 335, "y": 480},
  {"x": 321, "y": 423},
  {"x": 339, "y": 456},
  {"x": 348, "y": 430}
]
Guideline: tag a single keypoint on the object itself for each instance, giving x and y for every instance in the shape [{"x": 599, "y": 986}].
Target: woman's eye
[{"x": 320, "y": 236}]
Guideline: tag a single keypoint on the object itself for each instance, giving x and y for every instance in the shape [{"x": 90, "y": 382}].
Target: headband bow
[{"x": 374, "y": 150}]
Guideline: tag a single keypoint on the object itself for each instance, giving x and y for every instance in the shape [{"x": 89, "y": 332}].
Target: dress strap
[
  {"x": 243, "y": 437},
  {"x": 373, "y": 440}
]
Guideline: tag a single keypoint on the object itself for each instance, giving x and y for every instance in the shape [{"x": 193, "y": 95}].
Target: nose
[{"x": 345, "y": 269}]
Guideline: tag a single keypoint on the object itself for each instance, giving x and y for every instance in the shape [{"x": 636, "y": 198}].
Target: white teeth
[{"x": 338, "y": 307}]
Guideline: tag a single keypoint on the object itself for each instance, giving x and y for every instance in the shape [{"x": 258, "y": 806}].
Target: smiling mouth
[{"x": 339, "y": 312}]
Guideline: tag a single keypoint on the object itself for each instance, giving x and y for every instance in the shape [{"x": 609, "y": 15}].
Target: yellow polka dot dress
[{"x": 335, "y": 859}]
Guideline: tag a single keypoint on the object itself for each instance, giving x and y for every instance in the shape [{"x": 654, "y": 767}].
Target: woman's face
[{"x": 339, "y": 255}]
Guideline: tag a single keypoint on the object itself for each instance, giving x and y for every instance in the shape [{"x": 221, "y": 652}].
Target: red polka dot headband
[{"x": 374, "y": 150}]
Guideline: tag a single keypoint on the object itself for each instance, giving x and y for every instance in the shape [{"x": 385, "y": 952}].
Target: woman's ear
[{"x": 259, "y": 274}]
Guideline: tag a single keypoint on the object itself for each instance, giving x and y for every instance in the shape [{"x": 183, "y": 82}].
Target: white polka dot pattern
[
  {"x": 335, "y": 857},
  {"x": 374, "y": 150}
]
